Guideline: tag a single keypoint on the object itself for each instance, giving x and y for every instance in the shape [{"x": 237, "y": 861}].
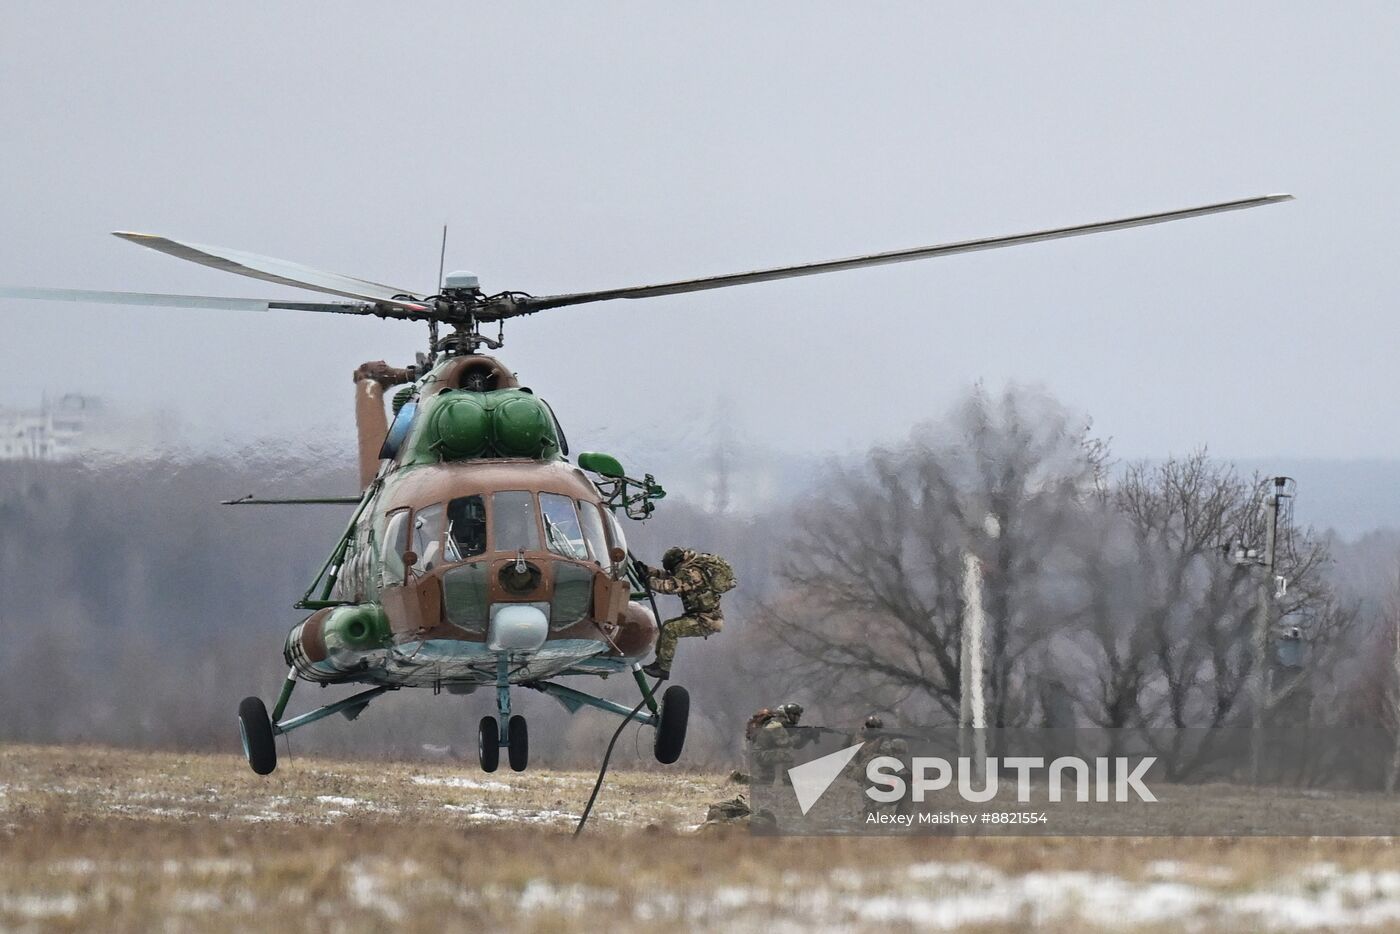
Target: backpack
[
  {"x": 718, "y": 574},
  {"x": 756, "y": 723}
]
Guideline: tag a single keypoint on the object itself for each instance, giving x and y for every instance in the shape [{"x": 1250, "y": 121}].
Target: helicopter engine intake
[{"x": 463, "y": 425}]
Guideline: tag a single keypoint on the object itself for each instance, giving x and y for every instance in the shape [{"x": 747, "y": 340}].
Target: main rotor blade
[
  {"x": 180, "y": 301},
  {"x": 251, "y": 500},
  {"x": 539, "y": 303},
  {"x": 280, "y": 271}
]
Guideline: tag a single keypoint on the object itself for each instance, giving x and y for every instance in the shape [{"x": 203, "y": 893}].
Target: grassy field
[{"x": 99, "y": 839}]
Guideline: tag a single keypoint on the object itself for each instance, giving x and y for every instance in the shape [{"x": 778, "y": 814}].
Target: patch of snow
[
  {"x": 543, "y": 895},
  {"x": 460, "y": 783},
  {"x": 196, "y": 901},
  {"x": 78, "y": 867},
  {"x": 948, "y": 896},
  {"x": 38, "y": 907},
  {"x": 369, "y": 890},
  {"x": 545, "y": 817},
  {"x": 206, "y": 867},
  {"x": 1172, "y": 871},
  {"x": 336, "y": 800}
]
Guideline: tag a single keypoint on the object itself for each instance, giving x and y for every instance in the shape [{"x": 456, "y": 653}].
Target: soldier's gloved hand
[{"x": 645, "y": 570}]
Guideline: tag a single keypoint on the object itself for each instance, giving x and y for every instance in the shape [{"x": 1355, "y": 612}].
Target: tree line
[{"x": 136, "y": 610}]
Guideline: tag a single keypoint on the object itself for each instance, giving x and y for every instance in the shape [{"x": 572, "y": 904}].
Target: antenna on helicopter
[
  {"x": 442, "y": 257},
  {"x": 433, "y": 325}
]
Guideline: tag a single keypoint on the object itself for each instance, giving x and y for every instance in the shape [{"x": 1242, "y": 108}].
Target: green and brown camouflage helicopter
[{"x": 477, "y": 554}]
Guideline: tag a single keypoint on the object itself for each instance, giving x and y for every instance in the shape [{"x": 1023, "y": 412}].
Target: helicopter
[{"x": 478, "y": 554}]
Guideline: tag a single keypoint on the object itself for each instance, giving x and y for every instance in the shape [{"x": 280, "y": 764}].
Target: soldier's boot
[{"x": 654, "y": 669}]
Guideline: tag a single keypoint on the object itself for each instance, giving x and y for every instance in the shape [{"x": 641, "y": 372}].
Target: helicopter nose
[{"x": 517, "y": 627}]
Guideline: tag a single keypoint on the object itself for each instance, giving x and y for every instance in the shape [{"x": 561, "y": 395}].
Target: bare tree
[
  {"x": 1166, "y": 619},
  {"x": 871, "y": 583}
]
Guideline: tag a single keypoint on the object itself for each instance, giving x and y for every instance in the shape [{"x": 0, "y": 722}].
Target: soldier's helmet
[
  {"x": 873, "y": 722},
  {"x": 791, "y": 712},
  {"x": 674, "y": 557}
]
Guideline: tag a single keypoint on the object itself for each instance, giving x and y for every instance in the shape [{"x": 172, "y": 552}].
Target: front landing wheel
[
  {"x": 518, "y": 747},
  {"x": 670, "y": 728},
  {"x": 259, "y": 744},
  {"x": 488, "y": 744}
]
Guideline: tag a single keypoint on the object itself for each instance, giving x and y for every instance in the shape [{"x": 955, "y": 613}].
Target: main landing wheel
[
  {"x": 670, "y": 731},
  {"x": 518, "y": 747},
  {"x": 488, "y": 744},
  {"x": 259, "y": 745}
]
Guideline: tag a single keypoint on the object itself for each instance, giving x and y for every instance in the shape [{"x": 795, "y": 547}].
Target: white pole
[
  {"x": 974, "y": 624},
  {"x": 974, "y": 708}
]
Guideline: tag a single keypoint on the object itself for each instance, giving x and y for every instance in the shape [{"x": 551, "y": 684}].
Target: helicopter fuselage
[{"x": 476, "y": 542}]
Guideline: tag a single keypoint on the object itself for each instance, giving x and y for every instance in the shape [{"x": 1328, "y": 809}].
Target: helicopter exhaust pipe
[{"x": 371, "y": 424}]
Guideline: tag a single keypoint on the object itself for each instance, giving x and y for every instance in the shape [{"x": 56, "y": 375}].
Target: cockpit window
[
  {"x": 466, "y": 528},
  {"x": 395, "y": 544},
  {"x": 615, "y": 527},
  {"x": 593, "y": 533},
  {"x": 513, "y": 521},
  {"x": 427, "y": 536},
  {"x": 561, "y": 527}
]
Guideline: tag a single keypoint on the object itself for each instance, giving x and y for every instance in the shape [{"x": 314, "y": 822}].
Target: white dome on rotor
[{"x": 461, "y": 279}]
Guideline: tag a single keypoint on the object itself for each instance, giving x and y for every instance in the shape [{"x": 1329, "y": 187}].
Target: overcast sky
[{"x": 580, "y": 146}]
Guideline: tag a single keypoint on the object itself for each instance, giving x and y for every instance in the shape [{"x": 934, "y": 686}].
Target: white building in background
[{"x": 54, "y": 431}]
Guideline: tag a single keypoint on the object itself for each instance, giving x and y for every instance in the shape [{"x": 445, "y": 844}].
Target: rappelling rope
[{"x": 603, "y": 771}]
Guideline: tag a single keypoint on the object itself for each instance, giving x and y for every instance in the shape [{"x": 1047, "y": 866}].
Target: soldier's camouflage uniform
[
  {"x": 878, "y": 743},
  {"x": 773, "y": 751},
  {"x": 702, "y": 615}
]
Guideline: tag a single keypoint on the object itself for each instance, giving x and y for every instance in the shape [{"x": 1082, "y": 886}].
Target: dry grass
[{"x": 96, "y": 839}]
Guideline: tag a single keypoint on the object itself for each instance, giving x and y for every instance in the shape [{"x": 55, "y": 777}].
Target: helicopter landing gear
[
  {"x": 503, "y": 729},
  {"x": 518, "y": 746},
  {"x": 488, "y": 744},
  {"x": 259, "y": 744},
  {"x": 671, "y": 724}
]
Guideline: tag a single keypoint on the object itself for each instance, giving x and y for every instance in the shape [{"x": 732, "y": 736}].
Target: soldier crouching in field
[
  {"x": 700, "y": 580},
  {"x": 774, "y": 746},
  {"x": 879, "y": 743}
]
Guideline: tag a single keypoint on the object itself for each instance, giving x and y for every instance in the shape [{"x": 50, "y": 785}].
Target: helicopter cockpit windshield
[
  {"x": 562, "y": 530},
  {"x": 466, "y": 527},
  {"x": 508, "y": 521},
  {"x": 427, "y": 537},
  {"x": 513, "y": 525}
]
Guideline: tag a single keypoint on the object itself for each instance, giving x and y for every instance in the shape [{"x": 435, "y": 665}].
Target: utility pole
[
  {"x": 1262, "y": 622},
  {"x": 1393, "y": 695},
  {"x": 972, "y": 707}
]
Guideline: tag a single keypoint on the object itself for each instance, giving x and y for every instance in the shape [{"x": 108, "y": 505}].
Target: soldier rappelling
[{"x": 699, "y": 579}]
